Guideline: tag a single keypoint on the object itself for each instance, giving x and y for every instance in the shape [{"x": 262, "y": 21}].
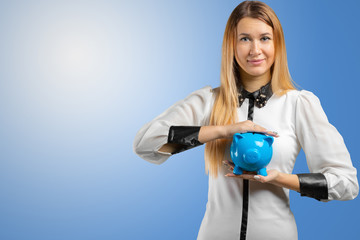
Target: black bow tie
[{"x": 260, "y": 96}]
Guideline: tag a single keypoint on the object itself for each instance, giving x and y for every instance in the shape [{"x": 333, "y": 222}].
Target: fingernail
[
  {"x": 257, "y": 177},
  {"x": 274, "y": 133}
]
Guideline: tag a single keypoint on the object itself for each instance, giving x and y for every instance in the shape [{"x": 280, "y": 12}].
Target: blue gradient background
[{"x": 78, "y": 79}]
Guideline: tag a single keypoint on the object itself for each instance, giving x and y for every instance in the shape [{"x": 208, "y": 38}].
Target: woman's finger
[
  {"x": 230, "y": 175},
  {"x": 250, "y": 126},
  {"x": 243, "y": 176},
  {"x": 228, "y": 163},
  {"x": 257, "y": 128},
  {"x": 272, "y": 133},
  {"x": 267, "y": 132}
]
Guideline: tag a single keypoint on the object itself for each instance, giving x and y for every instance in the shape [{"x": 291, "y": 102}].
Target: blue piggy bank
[{"x": 251, "y": 152}]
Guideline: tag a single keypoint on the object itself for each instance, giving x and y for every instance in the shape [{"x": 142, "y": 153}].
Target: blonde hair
[{"x": 224, "y": 111}]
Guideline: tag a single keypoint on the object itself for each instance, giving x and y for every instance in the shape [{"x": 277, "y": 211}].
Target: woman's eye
[
  {"x": 244, "y": 39},
  {"x": 265, "y": 38}
]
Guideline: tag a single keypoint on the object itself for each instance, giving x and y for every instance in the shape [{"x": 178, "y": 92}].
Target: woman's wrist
[
  {"x": 290, "y": 181},
  {"x": 226, "y": 131},
  {"x": 223, "y": 131},
  {"x": 210, "y": 133},
  {"x": 278, "y": 179}
]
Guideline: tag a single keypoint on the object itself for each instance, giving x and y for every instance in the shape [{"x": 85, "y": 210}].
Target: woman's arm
[
  {"x": 290, "y": 181},
  {"x": 210, "y": 133},
  {"x": 332, "y": 175},
  {"x": 163, "y": 132}
]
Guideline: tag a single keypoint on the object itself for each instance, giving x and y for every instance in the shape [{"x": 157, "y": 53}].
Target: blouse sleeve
[
  {"x": 178, "y": 124},
  {"x": 325, "y": 151}
]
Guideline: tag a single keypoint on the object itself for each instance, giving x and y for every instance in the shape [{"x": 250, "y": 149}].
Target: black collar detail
[{"x": 260, "y": 96}]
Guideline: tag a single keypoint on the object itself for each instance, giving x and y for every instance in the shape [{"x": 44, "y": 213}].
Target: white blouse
[{"x": 301, "y": 123}]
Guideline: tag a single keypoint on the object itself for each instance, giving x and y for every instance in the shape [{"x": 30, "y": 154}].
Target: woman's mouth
[{"x": 256, "y": 62}]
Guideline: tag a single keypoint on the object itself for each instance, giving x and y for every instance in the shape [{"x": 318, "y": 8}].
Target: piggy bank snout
[{"x": 252, "y": 156}]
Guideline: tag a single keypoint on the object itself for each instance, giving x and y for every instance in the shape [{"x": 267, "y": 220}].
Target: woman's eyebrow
[{"x": 263, "y": 34}]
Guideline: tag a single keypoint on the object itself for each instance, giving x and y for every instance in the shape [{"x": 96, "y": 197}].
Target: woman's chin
[{"x": 257, "y": 73}]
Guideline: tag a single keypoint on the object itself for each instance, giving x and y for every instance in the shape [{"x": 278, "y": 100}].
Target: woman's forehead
[{"x": 253, "y": 26}]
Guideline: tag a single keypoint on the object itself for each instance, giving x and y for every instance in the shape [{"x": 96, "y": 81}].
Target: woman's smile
[{"x": 256, "y": 62}]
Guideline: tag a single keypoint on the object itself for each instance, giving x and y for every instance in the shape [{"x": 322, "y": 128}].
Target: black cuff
[
  {"x": 185, "y": 136},
  {"x": 313, "y": 185}
]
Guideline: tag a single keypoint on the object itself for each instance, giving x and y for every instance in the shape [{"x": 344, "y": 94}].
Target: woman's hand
[
  {"x": 290, "y": 181},
  {"x": 272, "y": 174},
  {"x": 210, "y": 133},
  {"x": 245, "y": 126}
]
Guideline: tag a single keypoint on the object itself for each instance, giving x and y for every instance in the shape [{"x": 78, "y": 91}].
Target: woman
[{"x": 257, "y": 95}]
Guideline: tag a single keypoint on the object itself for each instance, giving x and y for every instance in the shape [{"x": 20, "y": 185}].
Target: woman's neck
[{"x": 254, "y": 83}]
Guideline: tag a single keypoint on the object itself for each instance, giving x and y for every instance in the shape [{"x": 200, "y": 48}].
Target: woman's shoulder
[
  {"x": 205, "y": 93},
  {"x": 201, "y": 99},
  {"x": 206, "y": 90},
  {"x": 302, "y": 94},
  {"x": 300, "y": 98}
]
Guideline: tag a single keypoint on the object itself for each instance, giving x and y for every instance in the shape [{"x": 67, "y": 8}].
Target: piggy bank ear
[
  {"x": 237, "y": 137},
  {"x": 269, "y": 139}
]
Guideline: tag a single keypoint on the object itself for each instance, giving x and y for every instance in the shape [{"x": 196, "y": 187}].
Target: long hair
[{"x": 224, "y": 111}]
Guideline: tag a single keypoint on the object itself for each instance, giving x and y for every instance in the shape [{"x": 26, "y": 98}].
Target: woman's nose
[{"x": 255, "y": 48}]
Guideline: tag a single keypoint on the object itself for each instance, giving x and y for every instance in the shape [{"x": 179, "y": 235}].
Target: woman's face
[{"x": 255, "y": 50}]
